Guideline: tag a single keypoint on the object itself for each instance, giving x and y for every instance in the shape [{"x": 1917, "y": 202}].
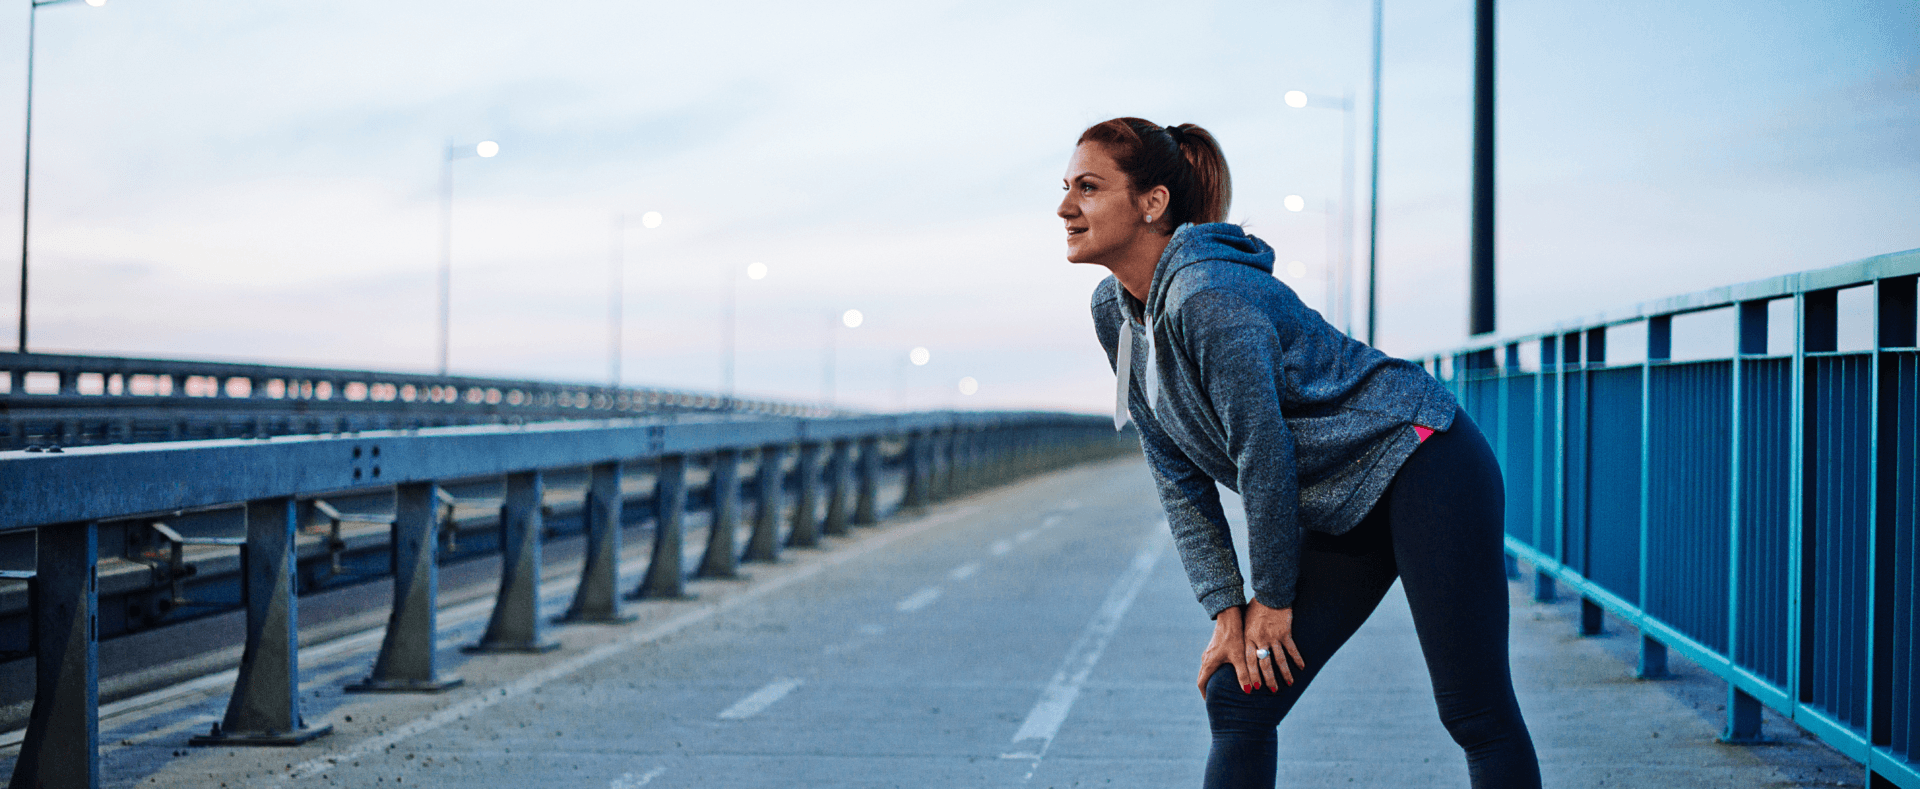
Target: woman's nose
[{"x": 1067, "y": 209}]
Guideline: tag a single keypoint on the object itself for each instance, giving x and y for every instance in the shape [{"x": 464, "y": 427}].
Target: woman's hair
[{"x": 1185, "y": 159}]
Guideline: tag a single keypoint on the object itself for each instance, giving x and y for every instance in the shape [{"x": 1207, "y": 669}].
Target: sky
[{"x": 260, "y": 180}]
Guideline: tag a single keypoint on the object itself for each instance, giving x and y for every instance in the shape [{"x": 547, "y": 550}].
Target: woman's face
[{"x": 1103, "y": 217}]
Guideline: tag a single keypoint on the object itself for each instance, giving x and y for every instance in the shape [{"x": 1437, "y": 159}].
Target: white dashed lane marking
[
  {"x": 760, "y": 700},
  {"x": 631, "y": 781},
  {"x": 1000, "y": 547},
  {"x": 918, "y": 600},
  {"x": 965, "y": 571}
]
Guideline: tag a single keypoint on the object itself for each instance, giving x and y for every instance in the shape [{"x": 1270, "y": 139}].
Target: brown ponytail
[{"x": 1185, "y": 159}]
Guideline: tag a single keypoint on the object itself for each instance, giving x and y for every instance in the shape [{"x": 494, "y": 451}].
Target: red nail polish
[{"x": 1246, "y": 688}]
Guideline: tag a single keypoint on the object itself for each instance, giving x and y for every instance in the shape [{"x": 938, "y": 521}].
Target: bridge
[{"x": 422, "y": 581}]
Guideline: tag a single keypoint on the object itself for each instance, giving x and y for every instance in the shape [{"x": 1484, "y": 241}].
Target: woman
[{"x": 1355, "y": 467}]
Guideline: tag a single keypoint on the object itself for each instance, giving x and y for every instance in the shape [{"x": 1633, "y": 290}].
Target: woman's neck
[{"x": 1135, "y": 266}]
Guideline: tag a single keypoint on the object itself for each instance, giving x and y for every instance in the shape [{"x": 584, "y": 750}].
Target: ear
[{"x": 1153, "y": 202}]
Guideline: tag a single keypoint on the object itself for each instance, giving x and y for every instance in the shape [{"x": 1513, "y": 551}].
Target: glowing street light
[
  {"x": 651, "y": 219},
  {"x": 852, "y": 318},
  {"x": 1296, "y": 99},
  {"x": 756, "y": 271},
  {"x": 26, "y": 172},
  {"x": 919, "y": 357},
  {"x": 968, "y": 386},
  {"x": 1296, "y": 203},
  {"x": 485, "y": 150}
]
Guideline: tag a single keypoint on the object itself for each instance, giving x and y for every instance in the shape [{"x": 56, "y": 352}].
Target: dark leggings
[{"x": 1437, "y": 528}]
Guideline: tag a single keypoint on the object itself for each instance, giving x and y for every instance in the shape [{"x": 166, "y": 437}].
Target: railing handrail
[
  {"x": 1845, "y": 275},
  {"x": 91, "y": 483}
]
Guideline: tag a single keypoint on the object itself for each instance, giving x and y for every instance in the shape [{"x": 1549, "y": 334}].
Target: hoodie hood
[{"x": 1193, "y": 243}]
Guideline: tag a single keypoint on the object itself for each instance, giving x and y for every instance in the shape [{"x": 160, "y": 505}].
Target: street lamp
[
  {"x": 485, "y": 150},
  {"x": 617, "y": 288},
  {"x": 1302, "y": 100},
  {"x": 26, "y": 172}
]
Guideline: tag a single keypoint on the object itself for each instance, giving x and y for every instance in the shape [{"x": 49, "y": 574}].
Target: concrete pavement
[{"x": 1040, "y": 634}]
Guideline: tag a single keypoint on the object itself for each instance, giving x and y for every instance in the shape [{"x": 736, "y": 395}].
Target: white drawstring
[{"x": 1123, "y": 373}]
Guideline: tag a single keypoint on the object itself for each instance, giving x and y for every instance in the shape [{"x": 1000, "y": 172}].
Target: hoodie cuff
[
  {"x": 1222, "y": 599},
  {"x": 1274, "y": 599}
]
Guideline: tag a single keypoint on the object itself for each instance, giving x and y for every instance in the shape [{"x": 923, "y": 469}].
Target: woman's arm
[
  {"x": 1235, "y": 346},
  {"x": 1190, "y": 497}
]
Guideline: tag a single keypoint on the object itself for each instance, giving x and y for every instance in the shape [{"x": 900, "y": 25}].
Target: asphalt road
[{"x": 1040, "y": 634}]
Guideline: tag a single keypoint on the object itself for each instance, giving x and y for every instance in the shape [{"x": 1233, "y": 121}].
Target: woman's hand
[
  {"x": 1225, "y": 647},
  {"x": 1270, "y": 629}
]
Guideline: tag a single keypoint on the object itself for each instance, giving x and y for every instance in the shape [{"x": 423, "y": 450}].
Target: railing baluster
[
  {"x": 516, "y": 624},
  {"x": 764, "y": 545},
  {"x": 62, "y": 743},
  {"x": 265, "y": 706},
  {"x": 866, "y": 508},
  {"x": 805, "y": 532},
  {"x": 839, "y": 470},
  {"x": 408, "y": 661},
  {"x": 720, "y": 560},
  {"x": 666, "y": 579},
  {"x": 596, "y": 601}
]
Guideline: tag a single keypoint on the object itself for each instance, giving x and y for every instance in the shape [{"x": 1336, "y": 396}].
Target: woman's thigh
[
  {"x": 1341, "y": 581},
  {"x": 1447, "y": 507}
]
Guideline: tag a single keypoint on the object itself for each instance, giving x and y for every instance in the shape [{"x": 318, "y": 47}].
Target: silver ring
[{"x": 1261, "y": 654}]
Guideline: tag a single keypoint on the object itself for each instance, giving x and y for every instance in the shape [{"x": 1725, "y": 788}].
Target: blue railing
[{"x": 1735, "y": 473}]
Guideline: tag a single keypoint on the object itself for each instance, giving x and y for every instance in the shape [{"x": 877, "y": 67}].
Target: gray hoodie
[{"x": 1254, "y": 390}]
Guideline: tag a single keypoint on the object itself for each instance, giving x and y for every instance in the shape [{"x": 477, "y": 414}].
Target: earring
[{"x": 1149, "y": 219}]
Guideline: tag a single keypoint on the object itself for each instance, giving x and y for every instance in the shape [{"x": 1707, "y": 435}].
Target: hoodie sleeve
[
  {"x": 1235, "y": 346},
  {"x": 1191, "y": 500}
]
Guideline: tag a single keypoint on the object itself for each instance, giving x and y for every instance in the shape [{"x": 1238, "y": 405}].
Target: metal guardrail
[
  {"x": 63, "y": 498},
  {"x": 65, "y": 400},
  {"x": 1752, "y": 508}
]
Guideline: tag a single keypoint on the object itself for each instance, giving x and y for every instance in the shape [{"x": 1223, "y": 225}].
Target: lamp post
[
  {"x": 26, "y": 172},
  {"x": 1302, "y": 100},
  {"x": 917, "y": 357},
  {"x": 485, "y": 150},
  {"x": 1337, "y": 307},
  {"x": 617, "y": 288},
  {"x": 756, "y": 271},
  {"x": 850, "y": 319}
]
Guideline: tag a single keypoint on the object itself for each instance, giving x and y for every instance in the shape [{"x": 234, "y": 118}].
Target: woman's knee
[
  {"x": 1234, "y": 712},
  {"x": 1483, "y": 726}
]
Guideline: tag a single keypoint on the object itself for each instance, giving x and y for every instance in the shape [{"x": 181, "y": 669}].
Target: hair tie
[{"x": 1175, "y": 133}]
